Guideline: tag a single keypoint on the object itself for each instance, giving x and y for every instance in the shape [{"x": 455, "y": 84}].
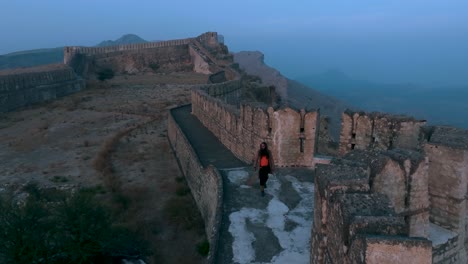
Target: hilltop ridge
[{"x": 124, "y": 40}]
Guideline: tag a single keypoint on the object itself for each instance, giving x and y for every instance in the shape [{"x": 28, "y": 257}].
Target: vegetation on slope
[{"x": 58, "y": 227}]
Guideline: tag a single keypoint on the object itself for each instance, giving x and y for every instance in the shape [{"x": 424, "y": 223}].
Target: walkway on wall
[
  {"x": 208, "y": 148},
  {"x": 255, "y": 229}
]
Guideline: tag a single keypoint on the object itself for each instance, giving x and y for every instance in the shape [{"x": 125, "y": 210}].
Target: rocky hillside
[{"x": 296, "y": 94}]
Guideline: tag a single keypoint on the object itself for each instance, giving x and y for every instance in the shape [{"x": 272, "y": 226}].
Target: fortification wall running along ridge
[
  {"x": 291, "y": 134},
  {"x": 205, "y": 184},
  {"x": 26, "y": 88}
]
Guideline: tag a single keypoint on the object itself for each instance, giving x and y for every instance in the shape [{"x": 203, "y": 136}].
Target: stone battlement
[
  {"x": 210, "y": 38},
  {"x": 38, "y": 84},
  {"x": 349, "y": 210},
  {"x": 291, "y": 134},
  {"x": 423, "y": 171},
  {"x": 360, "y": 130}
]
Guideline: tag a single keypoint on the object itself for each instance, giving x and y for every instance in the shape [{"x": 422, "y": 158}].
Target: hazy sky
[{"x": 423, "y": 41}]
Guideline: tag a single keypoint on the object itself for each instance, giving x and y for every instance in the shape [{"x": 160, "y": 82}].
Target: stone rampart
[
  {"x": 34, "y": 86},
  {"x": 362, "y": 131},
  {"x": 353, "y": 224},
  {"x": 447, "y": 150},
  {"x": 402, "y": 175},
  {"x": 290, "y": 134},
  {"x": 69, "y": 52},
  {"x": 205, "y": 184},
  {"x": 191, "y": 54},
  {"x": 164, "y": 59}
]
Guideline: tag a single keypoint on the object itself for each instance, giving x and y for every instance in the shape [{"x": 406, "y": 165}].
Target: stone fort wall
[
  {"x": 360, "y": 130},
  {"x": 69, "y": 52},
  {"x": 290, "y": 134},
  {"x": 205, "y": 184},
  {"x": 191, "y": 54},
  {"x": 355, "y": 222},
  {"x": 432, "y": 196},
  {"x": 23, "y": 87},
  {"x": 35, "y": 85}
]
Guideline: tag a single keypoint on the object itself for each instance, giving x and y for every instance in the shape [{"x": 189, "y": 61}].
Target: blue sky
[{"x": 422, "y": 41}]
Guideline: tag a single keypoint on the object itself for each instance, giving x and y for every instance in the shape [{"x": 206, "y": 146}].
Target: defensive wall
[
  {"x": 22, "y": 87},
  {"x": 399, "y": 192},
  {"x": 360, "y": 130},
  {"x": 211, "y": 38},
  {"x": 164, "y": 59},
  {"x": 291, "y": 134},
  {"x": 205, "y": 184},
  {"x": 36, "y": 85},
  {"x": 447, "y": 151},
  {"x": 423, "y": 171},
  {"x": 354, "y": 222},
  {"x": 191, "y": 54}
]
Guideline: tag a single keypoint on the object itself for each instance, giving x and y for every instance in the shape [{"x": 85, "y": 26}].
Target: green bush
[
  {"x": 105, "y": 74},
  {"x": 154, "y": 66},
  {"x": 73, "y": 228},
  {"x": 182, "y": 190},
  {"x": 181, "y": 212},
  {"x": 203, "y": 248}
]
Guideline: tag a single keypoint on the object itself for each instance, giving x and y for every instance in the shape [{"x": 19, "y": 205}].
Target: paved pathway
[{"x": 271, "y": 229}]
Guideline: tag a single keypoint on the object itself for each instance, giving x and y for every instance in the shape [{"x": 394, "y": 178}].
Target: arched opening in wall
[
  {"x": 353, "y": 136},
  {"x": 301, "y": 145},
  {"x": 353, "y": 146}
]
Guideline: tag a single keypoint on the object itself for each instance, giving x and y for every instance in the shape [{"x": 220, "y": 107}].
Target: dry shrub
[{"x": 182, "y": 212}]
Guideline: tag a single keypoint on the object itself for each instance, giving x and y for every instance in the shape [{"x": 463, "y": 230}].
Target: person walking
[{"x": 264, "y": 161}]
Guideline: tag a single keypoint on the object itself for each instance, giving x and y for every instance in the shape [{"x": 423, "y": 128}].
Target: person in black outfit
[{"x": 264, "y": 161}]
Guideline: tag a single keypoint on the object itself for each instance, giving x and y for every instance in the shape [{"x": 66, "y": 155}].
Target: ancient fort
[{"x": 396, "y": 192}]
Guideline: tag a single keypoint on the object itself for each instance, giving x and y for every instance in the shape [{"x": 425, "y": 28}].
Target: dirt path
[{"x": 58, "y": 145}]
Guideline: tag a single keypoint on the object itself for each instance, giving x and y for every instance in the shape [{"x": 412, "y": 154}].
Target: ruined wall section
[
  {"x": 447, "y": 150},
  {"x": 363, "y": 131},
  {"x": 205, "y": 184},
  {"x": 401, "y": 175},
  {"x": 290, "y": 134},
  {"x": 354, "y": 225},
  {"x": 36, "y": 86}
]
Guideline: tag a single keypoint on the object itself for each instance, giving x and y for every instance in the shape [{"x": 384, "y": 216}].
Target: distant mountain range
[{"x": 439, "y": 105}]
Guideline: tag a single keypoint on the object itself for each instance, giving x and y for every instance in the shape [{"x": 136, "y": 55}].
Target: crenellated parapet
[
  {"x": 447, "y": 151},
  {"x": 423, "y": 170},
  {"x": 69, "y": 52},
  {"x": 200, "y": 54},
  {"x": 355, "y": 223},
  {"x": 360, "y": 130},
  {"x": 23, "y": 87},
  {"x": 402, "y": 175},
  {"x": 291, "y": 134}
]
